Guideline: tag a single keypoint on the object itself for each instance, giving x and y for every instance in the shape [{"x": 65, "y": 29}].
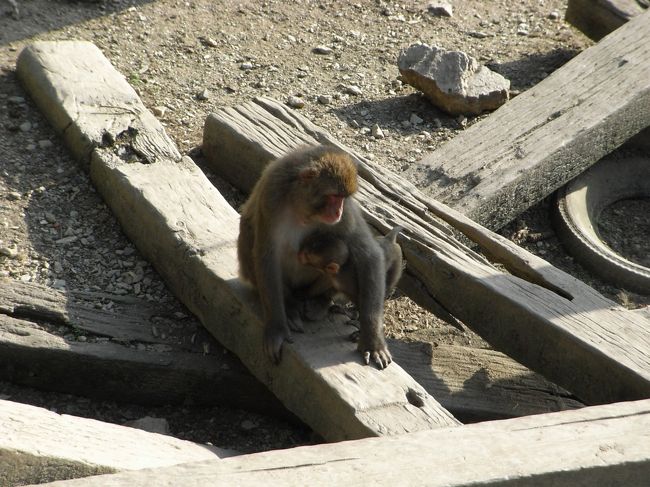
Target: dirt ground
[{"x": 187, "y": 58}]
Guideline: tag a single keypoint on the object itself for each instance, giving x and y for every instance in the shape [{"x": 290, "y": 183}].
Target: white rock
[{"x": 377, "y": 132}]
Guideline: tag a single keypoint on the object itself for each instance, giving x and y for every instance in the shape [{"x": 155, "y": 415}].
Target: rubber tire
[{"x": 578, "y": 208}]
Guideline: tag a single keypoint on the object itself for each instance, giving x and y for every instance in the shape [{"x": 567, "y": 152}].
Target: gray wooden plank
[
  {"x": 156, "y": 374},
  {"x": 597, "y": 18},
  {"x": 184, "y": 226},
  {"x": 37, "y": 445},
  {"x": 562, "y": 329},
  {"x": 549, "y": 134},
  {"x": 477, "y": 384},
  {"x": 596, "y": 446}
]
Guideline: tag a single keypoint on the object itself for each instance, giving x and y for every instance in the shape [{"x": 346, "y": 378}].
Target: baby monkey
[{"x": 330, "y": 255}]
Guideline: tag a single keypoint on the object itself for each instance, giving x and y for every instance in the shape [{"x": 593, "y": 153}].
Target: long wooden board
[
  {"x": 159, "y": 372},
  {"x": 546, "y": 136},
  {"x": 584, "y": 342},
  {"x": 489, "y": 385},
  {"x": 181, "y": 223},
  {"x": 597, "y": 446},
  {"x": 37, "y": 445}
]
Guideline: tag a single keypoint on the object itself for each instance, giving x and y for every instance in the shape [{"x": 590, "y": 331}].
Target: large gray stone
[{"x": 453, "y": 80}]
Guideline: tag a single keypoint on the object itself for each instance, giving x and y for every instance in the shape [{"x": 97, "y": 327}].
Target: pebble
[
  {"x": 45, "y": 144},
  {"x": 353, "y": 90},
  {"x": 522, "y": 29},
  {"x": 16, "y": 99},
  {"x": 159, "y": 111},
  {"x": 49, "y": 217},
  {"x": 377, "y": 132},
  {"x": 322, "y": 50},
  {"x": 11, "y": 252},
  {"x": 14, "y": 195},
  {"x": 246, "y": 66},
  {"x": 66, "y": 240},
  {"x": 25, "y": 126},
  {"x": 203, "y": 95},
  {"x": 554, "y": 15},
  {"x": 324, "y": 99},
  {"x": 210, "y": 42},
  {"x": 248, "y": 425},
  {"x": 440, "y": 9},
  {"x": 295, "y": 102},
  {"x": 415, "y": 120}
]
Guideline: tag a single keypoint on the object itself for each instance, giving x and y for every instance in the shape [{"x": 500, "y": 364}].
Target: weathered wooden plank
[
  {"x": 597, "y": 18},
  {"x": 549, "y": 134},
  {"x": 156, "y": 375},
  {"x": 37, "y": 445},
  {"x": 167, "y": 373},
  {"x": 185, "y": 227},
  {"x": 597, "y": 446},
  {"x": 584, "y": 342},
  {"x": 476, "y": 384}
]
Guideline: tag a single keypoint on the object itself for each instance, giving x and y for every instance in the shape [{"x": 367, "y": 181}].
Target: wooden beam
[
  {"x": 549, "y": 134},
  {"x": 158, "y": 372},
  {"x": 563, "y": 329},
  {"x": 597, "y": 446},
  {"x": 181, "y": 223},
  {"x": 597, "y": 18},
  {"x": 37, "y": 445}
]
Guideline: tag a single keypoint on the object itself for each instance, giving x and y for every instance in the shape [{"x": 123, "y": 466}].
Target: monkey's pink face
[{"x": 333, "y": 209}]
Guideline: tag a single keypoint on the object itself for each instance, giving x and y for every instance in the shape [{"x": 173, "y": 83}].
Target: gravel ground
[{"x": 187, "y": 58}]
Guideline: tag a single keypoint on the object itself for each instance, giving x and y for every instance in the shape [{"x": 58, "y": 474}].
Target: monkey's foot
[
  {"x": 378, "y": 353},
  {"x": 274, "y": 337}
]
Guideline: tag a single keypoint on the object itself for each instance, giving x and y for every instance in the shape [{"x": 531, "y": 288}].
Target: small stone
[
  {"x": 554, "y": 15},
  {"x": 377, "y": 132},
  {"x": 522, "y": 29},
  {"x": 324, "y": 50},
  {"x": 14, "y": 195},
  {"x": 440, "y": 9},
  {"x": 248, "y": 425},
  {"x": 82, "y": 338},
  {"x": 49, "y": 217},
  {"x": 25, "y": 126},
  {"x": 295, "y": 102},
  {"x": 415, "y": 120},
  {"x": 11, "y": 252},
  {"x": 18, "y": 100},
  {"x": 203, "y": 95},
  {"x": 25, "y": 278},
  {"x": 58, "y": 267},
  {"x": 45, "y": 144},
  {"x": 324, "y": 99},
  {"x": 462, "y": 120},
  {"x": 59, "y": 284},
  {"x": 210, "y": 42},
  {"x": 246, "y": 66},
  {"x": 159, "y": 111},
  {"x": 66, "y": 240},
  {"x": 353, "y": 90}
]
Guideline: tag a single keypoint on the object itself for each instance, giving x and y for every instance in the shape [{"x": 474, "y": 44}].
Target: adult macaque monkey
[{"x": 309, "y": 190}]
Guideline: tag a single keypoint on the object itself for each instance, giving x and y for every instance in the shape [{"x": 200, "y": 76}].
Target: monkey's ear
[{"x": 308, "y": 174}]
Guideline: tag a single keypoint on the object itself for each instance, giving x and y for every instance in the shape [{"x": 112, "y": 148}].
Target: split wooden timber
[
  {"x": 186, "y": 367},
  {"x": 177, "y": 365},
  {"x": 597, "y": 18},
  {"x": 596, "y": 446},
  {"x": 586, "y": 343},
  {"x": 181, "y": 223},
  {"x": 546, "y": 136},
  {"x": 37, "y": 445}
]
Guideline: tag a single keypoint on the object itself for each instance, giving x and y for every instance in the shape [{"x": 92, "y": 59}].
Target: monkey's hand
[
  {"x": 375, "y": 348},
  {"x": 275, "y": 334}
]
